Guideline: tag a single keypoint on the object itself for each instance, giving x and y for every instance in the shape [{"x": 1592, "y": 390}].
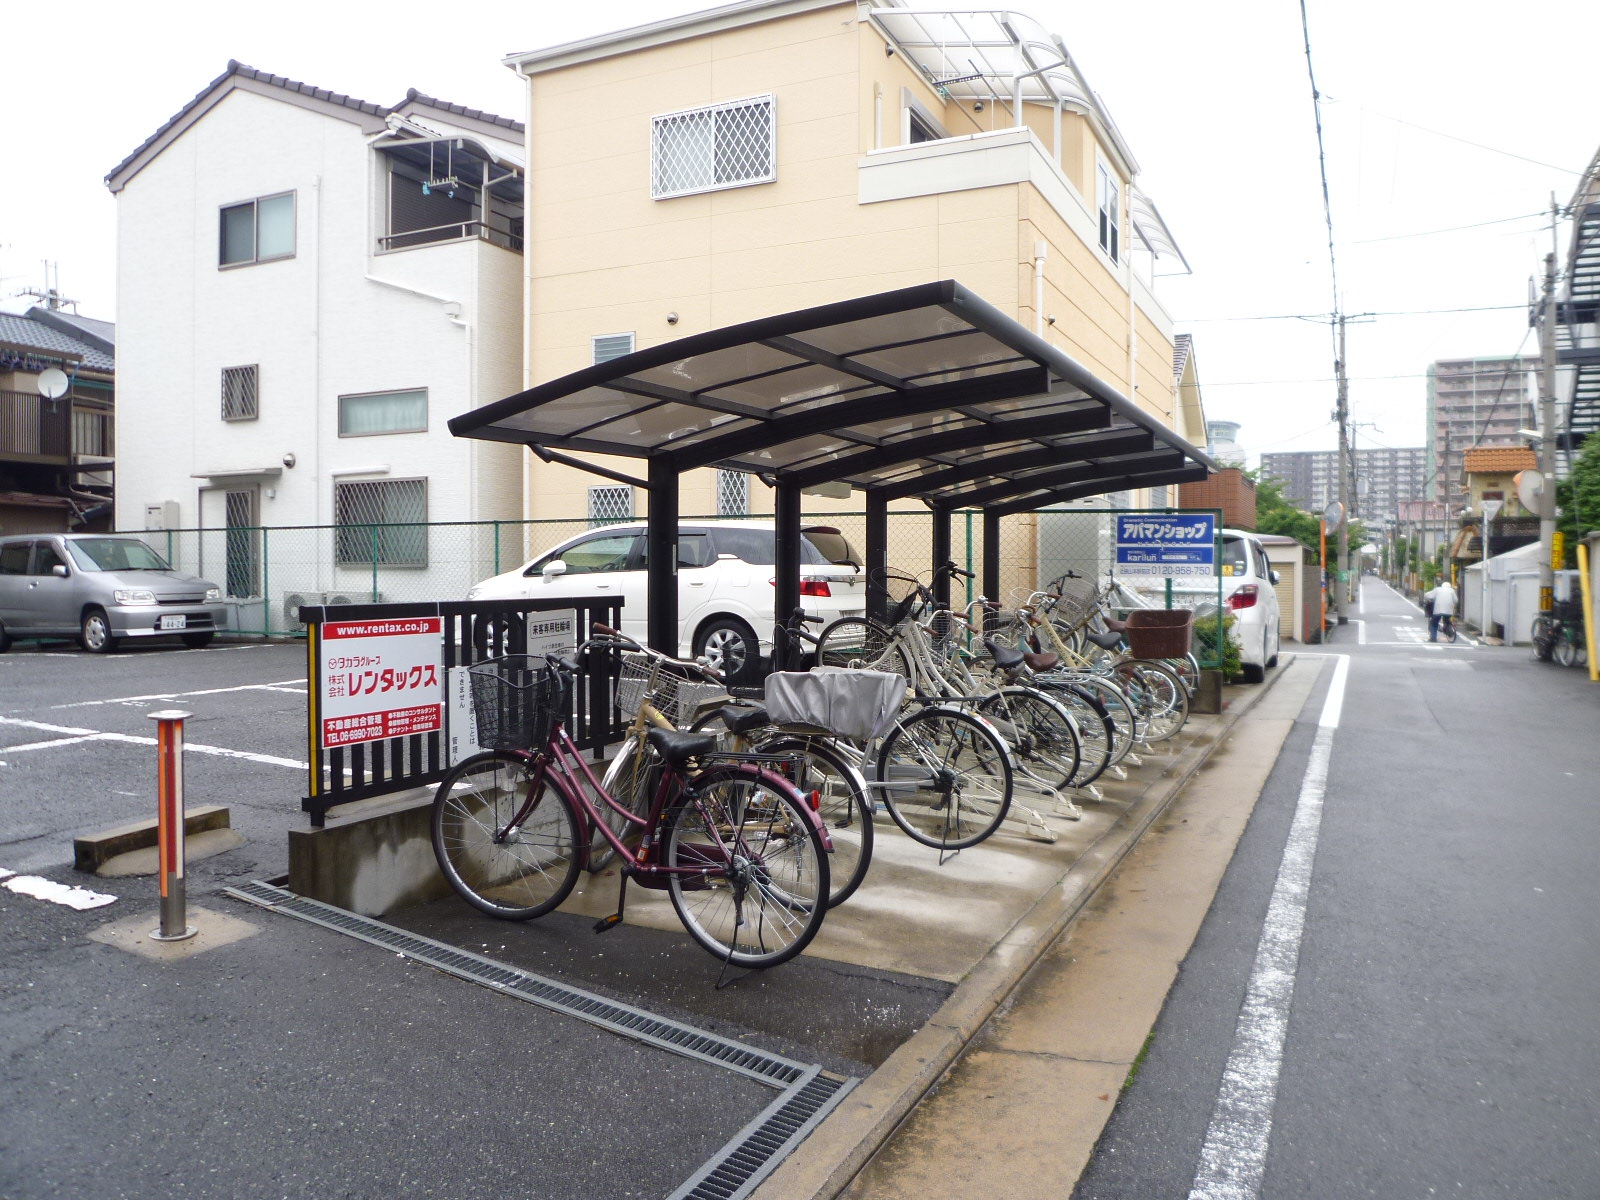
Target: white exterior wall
[{"x": 317, "y": 325}]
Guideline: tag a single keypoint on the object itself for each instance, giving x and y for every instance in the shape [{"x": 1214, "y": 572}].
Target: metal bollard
[{"x": 169, "y": 824}]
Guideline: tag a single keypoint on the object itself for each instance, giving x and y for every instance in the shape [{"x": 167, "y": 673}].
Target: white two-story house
[{"x": 309, "y": 286}]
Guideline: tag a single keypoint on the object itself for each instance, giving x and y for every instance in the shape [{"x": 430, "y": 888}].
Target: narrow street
[{"x": 1436, "y": 1021}]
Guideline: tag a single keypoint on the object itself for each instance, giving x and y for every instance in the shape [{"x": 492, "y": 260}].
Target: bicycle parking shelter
[{"x": 926, "y": 392}]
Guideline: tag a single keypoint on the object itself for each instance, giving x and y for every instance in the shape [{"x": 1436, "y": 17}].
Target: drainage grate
[
  {"x": 633, "y": 1022},
  {"x": 736, "y": 1169}
]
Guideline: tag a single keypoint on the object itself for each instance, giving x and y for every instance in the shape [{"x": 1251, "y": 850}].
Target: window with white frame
[
  {"x": 1108, "y": 199},
  {"x": 381, "y": 521},
  {"x": 733, "y": 494},
  {"x": 368, "y": 413},
  {"x": 609, "y": 503},
  {"x": 257, "y": 231},
  {"x": 719, "y": 146},
  {"x": 240, "y": 392},
  {"x": 603, "y": 347}
]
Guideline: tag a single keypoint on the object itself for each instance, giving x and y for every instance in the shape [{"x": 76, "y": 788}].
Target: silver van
[{"x": 100, "y": 588}]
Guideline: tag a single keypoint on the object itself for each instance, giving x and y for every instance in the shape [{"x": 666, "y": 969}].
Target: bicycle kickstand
[{"x": 605, "y": 924}]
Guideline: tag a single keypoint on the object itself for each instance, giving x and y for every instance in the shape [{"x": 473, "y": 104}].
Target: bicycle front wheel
[
  {"x": 1042, "y": 733},
  {"x": 749, "y": 870},
  {"x": 833, "y": 786},
  {"x": 1566, "y": 649},
  {"x": 1165, "y": 691},
  {"x": 951, "y": 775},
  {"x": 860, "y": 642},
  {"x": 507, "y": 850}
]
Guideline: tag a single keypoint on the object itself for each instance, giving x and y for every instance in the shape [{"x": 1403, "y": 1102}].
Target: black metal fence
[{"x": 473, "y": 630}]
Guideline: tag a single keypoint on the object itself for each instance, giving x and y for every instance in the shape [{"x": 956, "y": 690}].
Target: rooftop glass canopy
[{"x": 927, "y": 392}]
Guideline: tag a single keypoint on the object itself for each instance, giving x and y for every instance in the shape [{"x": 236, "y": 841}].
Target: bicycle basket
[
  {"x": 847, "y": 702},
  {"x": 903, "y": 592},
  {"x": 1078, "y": 601},
  {"x": 672, "y": 694},
  {"x": 1160, "y": 632},
  {"x": 516, "y": 700}
]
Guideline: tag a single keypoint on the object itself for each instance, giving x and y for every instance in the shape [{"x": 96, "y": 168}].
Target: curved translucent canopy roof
[{"x": 926, "y": 392}]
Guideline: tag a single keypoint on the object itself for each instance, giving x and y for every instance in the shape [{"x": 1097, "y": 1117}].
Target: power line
[
  {"x": 1319, "y": 317},
  {"x": 1451, "y": 229},
  {"x": 1466, "y": 141}
]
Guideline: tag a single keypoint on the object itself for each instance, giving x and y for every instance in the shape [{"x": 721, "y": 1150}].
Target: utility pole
[
  {"x": 1342, "y": 415},
  {"x": 1547, "y": 441}
]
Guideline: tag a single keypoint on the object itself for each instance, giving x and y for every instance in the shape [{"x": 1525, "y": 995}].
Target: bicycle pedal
[{"x": 608, "y": 923}]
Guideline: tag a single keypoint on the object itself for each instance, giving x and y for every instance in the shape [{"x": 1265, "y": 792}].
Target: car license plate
[{"x": 174, "y": 622}]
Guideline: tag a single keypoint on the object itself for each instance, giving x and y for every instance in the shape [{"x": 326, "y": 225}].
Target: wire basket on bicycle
[
  {"x": 641, "y": 677},
  {"x": 515, "y": 700},
  {"x": 904, "y": 592}
]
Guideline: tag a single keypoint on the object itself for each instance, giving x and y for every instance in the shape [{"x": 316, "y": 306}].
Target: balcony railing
[
  {"x": 33, "y": 428},
  {"x": 456, "y": 231}
]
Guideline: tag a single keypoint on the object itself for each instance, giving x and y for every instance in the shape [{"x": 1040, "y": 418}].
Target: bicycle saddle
[
  {"x": 1115, "y": 625},
  {"x": 678, "y": 748},
  {"x": 1008, "y": 658},
  {"x": 736, "y": 718},
  {"x": 1106, "y": 641}
]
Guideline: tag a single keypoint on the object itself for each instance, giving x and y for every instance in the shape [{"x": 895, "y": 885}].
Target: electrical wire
[
  {"x": 1399, "y": 312},
  {"x": 1451, "y": 229},
  {"x": 1467, "y": 141}
]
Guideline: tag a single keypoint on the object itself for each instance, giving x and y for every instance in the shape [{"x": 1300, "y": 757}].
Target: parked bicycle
[{"x": 741, "y": 856}]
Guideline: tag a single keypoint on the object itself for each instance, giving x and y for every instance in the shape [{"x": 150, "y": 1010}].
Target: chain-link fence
[{"x": 268, "y": 573}]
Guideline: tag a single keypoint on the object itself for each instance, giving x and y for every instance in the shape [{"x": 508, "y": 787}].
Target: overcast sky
[{"x": 1435, "y": 116}]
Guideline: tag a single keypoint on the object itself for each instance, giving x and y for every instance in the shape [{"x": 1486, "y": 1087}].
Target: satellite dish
[
  {"x": 1530, "y": 489},
  {"x": 53, "y": 383}
]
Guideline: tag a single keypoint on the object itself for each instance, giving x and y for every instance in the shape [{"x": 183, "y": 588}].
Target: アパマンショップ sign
[{"x": 381, "y": 679}]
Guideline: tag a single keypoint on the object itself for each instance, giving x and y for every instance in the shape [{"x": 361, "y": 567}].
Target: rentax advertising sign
[
  {"x": 1167, "y": 544},
  {"x": 381, "y": 679}
]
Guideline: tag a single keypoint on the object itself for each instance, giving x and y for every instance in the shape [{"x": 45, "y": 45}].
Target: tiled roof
[
  {"x": 27, "y": 332},
  {"x": 477, "y": 114},
  {"x": 235, "y": 68},
  {"x": 1483, "y": 459}
]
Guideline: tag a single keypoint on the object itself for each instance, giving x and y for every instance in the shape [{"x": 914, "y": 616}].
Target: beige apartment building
[{"x": 771, "y": 155}]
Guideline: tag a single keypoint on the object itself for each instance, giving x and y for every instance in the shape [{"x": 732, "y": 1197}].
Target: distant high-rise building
[
  {"x": 1385, "y": 478},
  {"x": 1474, "y": 402}
]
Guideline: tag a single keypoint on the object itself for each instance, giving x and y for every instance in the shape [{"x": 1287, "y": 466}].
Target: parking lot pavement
[{"x": 77, "y": 745}]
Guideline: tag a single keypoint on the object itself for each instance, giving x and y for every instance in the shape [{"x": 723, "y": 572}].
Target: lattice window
[
  {"x": 609, "y": 503},
  {"x": 1109, "y": 201},
  {"x": 720, "y": 146},
  {"x": 733, "y": 494},
  {"x": 240, "y": 390},
  {"x": 606, "y": 346},
  {"x": 381, "y": 520}
]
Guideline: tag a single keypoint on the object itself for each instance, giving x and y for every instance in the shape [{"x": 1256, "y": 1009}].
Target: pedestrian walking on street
[{"x": 1440, "y": 603}]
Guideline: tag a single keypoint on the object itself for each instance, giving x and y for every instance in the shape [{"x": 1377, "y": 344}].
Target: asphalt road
[
  {"x": 297, "y": 1062},
  {"x": 1440, "y": 1035}
]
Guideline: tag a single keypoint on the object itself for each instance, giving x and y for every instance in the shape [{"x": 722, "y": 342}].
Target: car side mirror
[
  {"x": 1273, "y": 575},
  {"x": 554, "y": 567},
  {"x": 60, "y": 571}
]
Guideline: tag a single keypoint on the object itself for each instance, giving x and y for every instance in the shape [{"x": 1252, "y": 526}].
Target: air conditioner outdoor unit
[
  {"x": 292, "y": 603},
  {"x": 354, "y": 598}
]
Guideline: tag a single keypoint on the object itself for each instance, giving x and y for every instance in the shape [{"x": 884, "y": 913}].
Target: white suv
[
  {"x": 725, "y": 582},
  {"x": 1247, "y": 596}
]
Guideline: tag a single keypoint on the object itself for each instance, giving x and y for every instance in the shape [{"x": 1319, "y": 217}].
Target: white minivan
[
  {"x": 1248, "y": 596},
  {"x": 725, "y": 582}
]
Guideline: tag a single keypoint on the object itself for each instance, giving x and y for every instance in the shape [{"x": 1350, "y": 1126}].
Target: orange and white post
[{"x": 169, "y": 824}]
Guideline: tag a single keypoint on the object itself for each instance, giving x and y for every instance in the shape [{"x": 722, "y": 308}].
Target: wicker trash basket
[{"x": 1160, "y": 632}]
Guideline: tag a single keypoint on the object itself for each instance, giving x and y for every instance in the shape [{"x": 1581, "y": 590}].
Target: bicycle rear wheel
[
  {"x": 1095, "y": 728},
  {"x": 954, "y": 778},
  {"x": 1045, "y": 744},
  {"x": 510, "y": 871},
  {"x": 1168, "y": 698},
  {"x": 1566, "y": 648},
  {"x": 763, "y": 888}
]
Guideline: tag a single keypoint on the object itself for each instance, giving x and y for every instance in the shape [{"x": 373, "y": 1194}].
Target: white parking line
[
  {"x": 95, "y": 735},
  {"x": 283, "y": 685},
  {"x": 57, "y": 893}
]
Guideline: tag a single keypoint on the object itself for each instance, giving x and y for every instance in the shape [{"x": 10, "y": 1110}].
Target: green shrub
[{"x": 1206, "y": 632}]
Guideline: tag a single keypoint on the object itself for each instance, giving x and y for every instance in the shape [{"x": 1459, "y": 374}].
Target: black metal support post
[
  {"x": 661, "y": 548},
  {"x": 941, "y": 552},
  {"x": 877, "y": 552},
  {"x": 989, "y": 574},
  {"x": 786, "y": 551}
]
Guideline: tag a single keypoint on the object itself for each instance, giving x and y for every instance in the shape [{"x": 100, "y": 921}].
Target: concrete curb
[{"x": 836, "y": 1151}]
